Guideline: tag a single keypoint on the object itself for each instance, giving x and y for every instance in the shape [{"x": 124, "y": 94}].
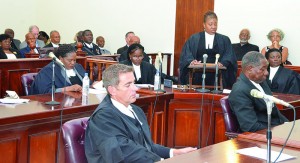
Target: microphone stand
[
  {"x": 52, "y": 102},
  {"x": 216, "y": 91},
  {"x": 203, "y": 90},
  {"x": 159, "y": 84},
  {"x": 269, "y": 132}
]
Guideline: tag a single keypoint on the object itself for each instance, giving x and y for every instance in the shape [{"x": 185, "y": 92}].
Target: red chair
[
  {"x": 73, "y": 133},
  {"x": 27, "y": 80},
  {"x": 231, "y": 123}
]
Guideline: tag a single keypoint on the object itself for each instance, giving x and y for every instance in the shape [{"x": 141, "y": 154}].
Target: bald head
[
  {"x": 244, "y": 36},
  {"x": 134, "y": 40},
  {"x": 30, "y": 39}
]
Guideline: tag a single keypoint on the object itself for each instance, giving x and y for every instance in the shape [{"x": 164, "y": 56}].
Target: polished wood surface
[
  {"x": 279, "y": 135},
  {"x": 225, "y": 152},
  {"x": 30, "y": 132},
  {"x": 189, "y": 20},
  {"x": 12, "y": 70},
  {"x": 192, "y": 122}
]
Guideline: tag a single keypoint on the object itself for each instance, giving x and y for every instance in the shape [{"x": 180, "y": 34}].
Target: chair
[
  {"x": 73, "y": 136},
  {"x": 231, "y": 123},
  {"x": 27, "y": 80}
]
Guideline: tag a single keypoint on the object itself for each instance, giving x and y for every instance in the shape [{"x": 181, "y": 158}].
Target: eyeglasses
[{"x": 138, "y": 57}]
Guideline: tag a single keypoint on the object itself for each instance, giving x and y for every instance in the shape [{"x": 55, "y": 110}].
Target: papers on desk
[
  {"x": 144, "y": 85},
  {"x": 97, "y": 91},
  {"x": 13, "y": 101},
  {"x": 262, "y": 154}
]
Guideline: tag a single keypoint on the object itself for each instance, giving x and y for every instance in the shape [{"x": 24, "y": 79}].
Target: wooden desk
[
  {"x": 186, "y": 128},
  {"x": 12, "y": 70},
  {"x": 279, "y": 135},
  {"x": 29, "y": 132},
  {"x": 209, "y": 68},
  {"x": 225, "y": 152}
]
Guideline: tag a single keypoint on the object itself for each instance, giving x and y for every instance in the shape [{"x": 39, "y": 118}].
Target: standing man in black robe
[
  {"x": 211, "y": 43},
  {"x": 118, "y": 131}
]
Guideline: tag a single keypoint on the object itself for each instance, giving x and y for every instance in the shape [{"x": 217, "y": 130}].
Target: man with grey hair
[
  {"x": 118, "y": 131},
  {"x": 35, "y": 31},
  {"x": 251, "y": 112},
  {"x": 55, "y": 39},
  {"x": 240, "y": 49}
]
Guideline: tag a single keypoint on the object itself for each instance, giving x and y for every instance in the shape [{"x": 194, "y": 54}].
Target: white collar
[
  {"x": 125, "y": 110},
  {"x": 89, "y": 45}
]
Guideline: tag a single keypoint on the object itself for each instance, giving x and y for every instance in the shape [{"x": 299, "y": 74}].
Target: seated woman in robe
[
  {"x": 67, "y": 78},
  {"x": 6, "y": 52},
  {"x": 275, "y": 36},
  {"x": 144, "y": 72},
  {"x": 280, "y": 79}
]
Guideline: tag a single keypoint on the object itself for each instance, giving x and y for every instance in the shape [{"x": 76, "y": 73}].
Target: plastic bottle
[
  {"x": 85, "y": 89},
  {"x": 156, "y": 80}
]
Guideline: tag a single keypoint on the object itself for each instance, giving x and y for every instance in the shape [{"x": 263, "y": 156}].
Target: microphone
[
  {"x": 217, "y": 58},
  {"x": 51, "y": 55},
  {"x": 257, "y": 94},
  {"x": 204, "y": 58}
]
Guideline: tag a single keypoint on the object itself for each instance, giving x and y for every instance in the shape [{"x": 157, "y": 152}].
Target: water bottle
[
  {"x": 85, "y": 89},
  {"x": 156, "y": 80}
]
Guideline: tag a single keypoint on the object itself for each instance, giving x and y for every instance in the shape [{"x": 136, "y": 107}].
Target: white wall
[
  {"x": 260, "y": 17},
  {"x": 152, "y": 20}
]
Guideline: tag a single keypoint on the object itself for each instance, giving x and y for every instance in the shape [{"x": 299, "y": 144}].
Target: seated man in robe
[
  {"x": 118, "y": 131},
  {"x": 251, "y": 112}
]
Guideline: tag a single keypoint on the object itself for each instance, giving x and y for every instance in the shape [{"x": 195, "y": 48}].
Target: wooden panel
[
  {"x": 189, "y": 20},
  {"x": 8, "y": 151},
  {"x": 42, "y": 147}
]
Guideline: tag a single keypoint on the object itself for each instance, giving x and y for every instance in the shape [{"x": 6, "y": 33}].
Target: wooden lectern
[{"x": 210, "y": 67}]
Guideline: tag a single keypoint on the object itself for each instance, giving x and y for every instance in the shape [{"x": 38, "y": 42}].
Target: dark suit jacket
[
  {"x": 112, "y": 137},
  {"x": 25, "y": 51},
  {"x": 122, "y": 49},
  {"x": 49, "y": 45},
  {"x": 251, "y": 112},
  {"x": 3, "y": 55},
  {"x": 95, "y": 51},
  {"x": 15, "y": 44}
]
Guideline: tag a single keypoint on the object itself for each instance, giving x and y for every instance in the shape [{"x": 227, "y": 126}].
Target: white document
[
  {"x": 226, "y": 91},
  {"x": 144, "y": 85},
  {"x": 262, "y": 154},
  {"x": 13, "y": 101},
  {"x": 97, "y": 91}
]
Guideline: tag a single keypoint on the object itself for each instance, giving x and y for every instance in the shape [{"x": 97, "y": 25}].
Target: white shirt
[
  {"x": 273, "y": 71},
  {"x": 70, "y": 73},
  {"x": 11, "y": 56},
  {"x": 55, "y": 45},
  {"x": 137, "y": 71},
  {"x": 89, "y": 45},
  {"x": 257, "y": 86},
  {"x": 209, "y": 41},
  {"x": 125, "y": 110}
]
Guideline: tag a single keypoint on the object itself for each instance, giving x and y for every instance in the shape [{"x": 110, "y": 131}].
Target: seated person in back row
[
  {"x": 240, "y": 49},
  {"x": 118, "y": 131},
  {"x": 144, "y": 72},
  {"x": 88, "y": 45},
  {"x": 280, "y": 79},
  {"x": 133, "y": 40},
  {"x": 251, "y": 112},
  {"x": 71, "y": 74},
  {"x": 6, "y": 52}
]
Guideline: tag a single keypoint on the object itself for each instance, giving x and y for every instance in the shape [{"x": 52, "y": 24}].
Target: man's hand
[
  {"x": 183, "y": 151},
  {"x": 195, "y": 62}
]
